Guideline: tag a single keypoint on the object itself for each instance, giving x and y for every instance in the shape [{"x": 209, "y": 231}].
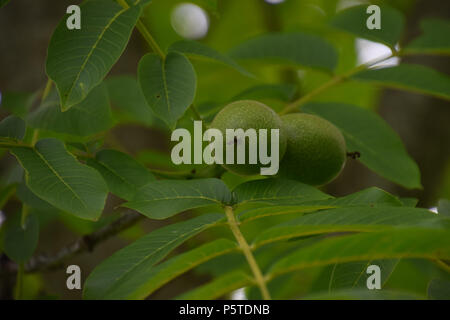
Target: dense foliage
[{"x": 278, "y": 238}]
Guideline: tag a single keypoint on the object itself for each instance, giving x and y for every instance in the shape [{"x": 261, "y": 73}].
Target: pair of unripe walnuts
[{"x": 311, "y": 149}]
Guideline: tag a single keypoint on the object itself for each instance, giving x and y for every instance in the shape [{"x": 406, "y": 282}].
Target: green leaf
[
  {"x": 434, "y": 39},
  {"x": 17, "y": 103},
  {"x": 209, "y": 5},
  {"x": 297, "y": 49},
  {"x": 122, "y": 173},
  {"x": 19, "y": 243},
  {"x": 4, "y": 3},
  {"x": 389, "y": 244},
  {"x": 364, "y": 294},
  {"x": 352, "y": 275},
  {"x": 165, "y": 198},
  {"x": 270, "y": 211},
  {"x": 277, "y": 191},
  {"x": 27, "y": 197},
  {"x": 352, "y": 219},
  {"x": 218, "y": 287},
  {"x": 373, "y": 197},
  {"x": 380, "y": 147},
  {"x": 6, "y": 193},
  {"x": 439, "y": 289},
  {"x": 409, "y": 202},
  {"x": 444, "y": 208},
  {"x": 12, "y": 127},
  {"x": 169, "y": 86},
  {"x": 353, "y": 20},
  {"x": 90, "y": 116},
  {"x": 78, "y": 60},
  {"x": 126, "y": 96},
  {"x": 118, "y": 271},
  {"x": 145, "y": 280},
  {"x": 282, "y": 92},
  {"x": 199, "y": 50},
  {"x": 410, "y": 77},
  {"x": 57, "y": 177}
]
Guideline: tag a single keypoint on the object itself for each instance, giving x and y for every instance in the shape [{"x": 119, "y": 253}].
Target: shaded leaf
[
  {"x": 270, "y": 211},
  {"x": 283, "y": 92},
  {"x": 19, "y": 243},
  {"x": 78, "y": 60},
  {"x": 353, "y": 20},
  {"x": 409, "y": 202},
  {"x": 373, "y": 197},
  {"x": 164, "y": 198},
  {"x": 145, "y": 281},
  {"x": 12, "y": 127},
  {"x": 122, "y": 173},
  {"x": 354, "y": 274},
  {"x": 434, "y": 39},
  {"x": 352, "y": 219},
  {"x": 115, "y": 273},
  {"x": 17, "y": 103},
  {"x": 199, "y": 50},
  {"x": 298, "y": 49},
  {"x": 380, "y": 147},
  {"x": 57, "y": 177},
  {"x": 169, "y": 86},
  {"x": 439, "y": 289},
  {"x": 444, "y": 208},
  {"x": 126, "y": 95},
  {"x": 363, "y": 294},
  {"x": 388, "y": 244},
  {"x": 4, "y": 2},
  {"x": 90, "y": 116},
  {"x": 277, "y": 191},
  {"x": 415, "y": 78},
  {"x": 218, "y": 287}
]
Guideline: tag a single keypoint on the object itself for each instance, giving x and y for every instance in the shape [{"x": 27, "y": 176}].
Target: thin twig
[{"x": 293, "y": 106}]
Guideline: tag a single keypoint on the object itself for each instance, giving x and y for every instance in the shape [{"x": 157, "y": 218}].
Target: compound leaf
[
  {"x": 388, "y": 244},
  {"x": 118, "y": 273}
]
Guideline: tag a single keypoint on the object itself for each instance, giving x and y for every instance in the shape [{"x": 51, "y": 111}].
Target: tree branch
[{"x": 43, "y": 262}]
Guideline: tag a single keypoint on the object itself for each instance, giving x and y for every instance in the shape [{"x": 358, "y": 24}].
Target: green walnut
[
  {"x": 316, "y": 151},
  {"x": 249, "y": 114}
]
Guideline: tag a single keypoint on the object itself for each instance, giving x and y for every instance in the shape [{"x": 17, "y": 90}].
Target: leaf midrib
[
  {"x": 60, "y": 178},
  {"x": 91, "y": 51}
]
